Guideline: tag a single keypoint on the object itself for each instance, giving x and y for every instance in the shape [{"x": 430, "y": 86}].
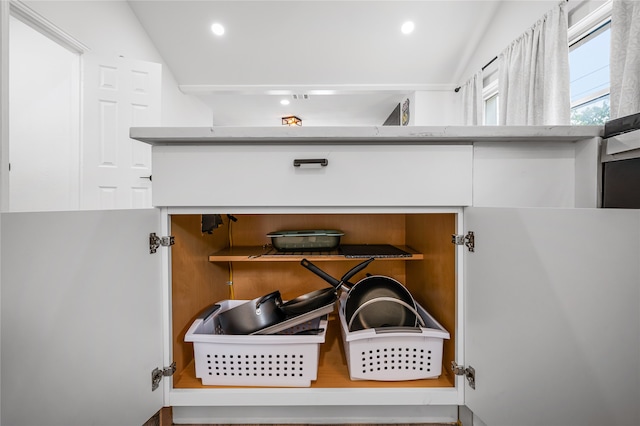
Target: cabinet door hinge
[
  {"x": 469, "y": 373},
  {"x": 467, "y": 240},
  {"x": 155, "y": 242},
  {"x": 157, "y": 375}
]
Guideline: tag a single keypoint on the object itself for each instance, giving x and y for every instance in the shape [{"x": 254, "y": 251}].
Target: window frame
[
  {"x": 585, "y": 29},
  {"x": 489, "y": 90}
]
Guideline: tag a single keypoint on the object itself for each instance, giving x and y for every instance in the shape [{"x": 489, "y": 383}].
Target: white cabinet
[
  {"x": 81, "y": 317},
  {"x": 506, "y": 166},
  {"x": 537, "y": 309},
  {"x": 312, "y": 175},
  {"x": 551, "y": 313}
]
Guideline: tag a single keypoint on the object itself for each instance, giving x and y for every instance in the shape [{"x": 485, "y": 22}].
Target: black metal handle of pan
[
  {"x": 353, "y": 271},
  {"x": 322, "y": 274},
  {"x": 322, "y": 161},
  {"x": 209, "y": 311},
  {"x": 274, "y": 295},
  {"x": 337, "y": 283}
]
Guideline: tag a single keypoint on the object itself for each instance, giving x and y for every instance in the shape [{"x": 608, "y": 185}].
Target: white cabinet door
[
  {"x": 552, "y": 316},
  {"x": 81, "y": 318}
]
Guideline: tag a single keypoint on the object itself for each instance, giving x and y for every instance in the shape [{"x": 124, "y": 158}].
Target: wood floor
[{"x": 164, "y": 418}]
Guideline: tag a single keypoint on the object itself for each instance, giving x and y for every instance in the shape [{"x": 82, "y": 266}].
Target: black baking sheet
[{"x": 371, "y": 250}]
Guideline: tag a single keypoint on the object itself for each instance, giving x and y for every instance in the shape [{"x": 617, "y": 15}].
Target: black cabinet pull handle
[{"x": 322, "y": 161}]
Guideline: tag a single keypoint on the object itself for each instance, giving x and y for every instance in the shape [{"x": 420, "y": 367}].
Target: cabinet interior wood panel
[
  {"x": 433, "y": 281},
  {"x": 196, "y": 283},
  {"x": 199, "y": 277}
]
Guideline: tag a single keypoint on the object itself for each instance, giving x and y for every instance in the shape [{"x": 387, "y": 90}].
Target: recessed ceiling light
[
  {"x": 407, "y": 27},
  {"x": 284, "y": 102},
  {"x": 217, "y": 29}
]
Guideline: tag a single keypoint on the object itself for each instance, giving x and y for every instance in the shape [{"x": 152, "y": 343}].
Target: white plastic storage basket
[
  {"x": 392, "y": 355},
  {"x": 282, "y": 359}
]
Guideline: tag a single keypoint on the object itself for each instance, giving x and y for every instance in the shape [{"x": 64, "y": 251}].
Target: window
[
  {"x": 589, "y": 75},
  {"x": 490, "y": 99},
  {"x": 589, "y": 45}
]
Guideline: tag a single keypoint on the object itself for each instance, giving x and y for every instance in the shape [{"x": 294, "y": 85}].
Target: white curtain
[
  {"x": 625, "y": 58},
  {"x": 472, "y": 106},
  {"x": 533, "y": 82}
]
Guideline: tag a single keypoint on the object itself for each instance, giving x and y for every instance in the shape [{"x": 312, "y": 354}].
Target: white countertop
[{"x": 361, "y": 135}]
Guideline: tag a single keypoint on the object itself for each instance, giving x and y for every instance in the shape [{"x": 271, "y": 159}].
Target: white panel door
[
  {"x": 81, "y": 318},
  {"x": 118, "y": 93},
  {"x": 552, "y": 316}
]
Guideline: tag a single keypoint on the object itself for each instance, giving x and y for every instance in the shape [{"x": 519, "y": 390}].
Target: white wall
[
  {"x": 44, "y": 149},
  {"x": 435, "y": 108},
  {"x": 111, "y": 28}
]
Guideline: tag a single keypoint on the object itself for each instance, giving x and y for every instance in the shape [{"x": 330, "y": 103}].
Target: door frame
[{"x": 31, "y": 18}]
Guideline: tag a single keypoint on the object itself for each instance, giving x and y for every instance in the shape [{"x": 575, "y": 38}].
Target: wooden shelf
[
  {"x": 332, "y": 370},
  {"x": 269, "y": 254}
]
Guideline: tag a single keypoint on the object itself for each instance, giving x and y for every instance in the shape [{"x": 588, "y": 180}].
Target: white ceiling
[{"x": 349, "y": 57}]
